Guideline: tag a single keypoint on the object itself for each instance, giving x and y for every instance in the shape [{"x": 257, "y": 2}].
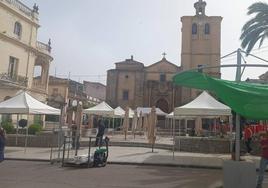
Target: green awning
[{"x": 247, "y": 99}]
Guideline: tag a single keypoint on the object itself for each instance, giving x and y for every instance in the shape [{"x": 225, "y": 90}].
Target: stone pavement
[{"x": 132, "y": 155}]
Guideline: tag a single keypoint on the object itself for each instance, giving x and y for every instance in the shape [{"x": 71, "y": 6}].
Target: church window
[
  {"x": 194, "y": 29},
  {"x": 207, "y": 29},
  {"x": 125, "y": 95},
  {"x": 17, "y": 29},
  {"x": 162, "y": 77}
]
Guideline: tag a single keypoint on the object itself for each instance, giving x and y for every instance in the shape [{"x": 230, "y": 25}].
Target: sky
[{"x": 89, "y": 36}]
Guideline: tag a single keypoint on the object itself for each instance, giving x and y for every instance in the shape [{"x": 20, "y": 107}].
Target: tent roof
[
  {"x": 131, "y": 113},
  {"x": 119, "y": 112},
  {"x": 250, "y": 100},
  {"x": 102, "y": 109},
  {"x": 203, "y": 105},
  {"x": 23, "y": 103},
  {"x": 171, "y": 116},
  {"x": 147, "y": 110}
]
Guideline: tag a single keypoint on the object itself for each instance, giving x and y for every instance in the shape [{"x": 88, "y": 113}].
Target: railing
[
  {"x": 37, "y": 84},
  {"x": 15, "y": 79},
  {"x": 43, "y": 47},
  {"x": 17, "y": 4}
]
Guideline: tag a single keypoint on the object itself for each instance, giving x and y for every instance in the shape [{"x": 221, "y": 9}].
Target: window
[
  {"x": 207, "y": 29},
  {"x": 194, "y": 29},
  {"x": 162, "y": 77},
  {"x": 13, "y": 66},
  {"x": 17, "y": 29},
  {"x": 200, "y": 10},
  {"x": 125, "y": 95}
]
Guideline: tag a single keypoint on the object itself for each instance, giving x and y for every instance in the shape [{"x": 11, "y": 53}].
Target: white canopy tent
[
  {"x": 119, "y": 112},
  {"x": 102, "y": 109},
  {"x": 131, "y": 113},
  {"x": 23, "y": 103},
  {"x": 147, "y": 110},
  {"x": 171, "y": 116},
  {"x": 203, "y": 106}
]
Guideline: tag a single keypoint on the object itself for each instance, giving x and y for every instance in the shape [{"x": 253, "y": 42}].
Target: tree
[{"x": 256, "y": 29}]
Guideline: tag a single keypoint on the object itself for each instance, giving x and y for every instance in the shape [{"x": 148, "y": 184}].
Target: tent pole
[
  {"x": 231, "y": 132},
  {"x": 113, "y": 125},
  {"x": 186, "y": 126},
  {"x": 173, "y": 132},
  {"x": 179, "y": 135},
  {"x": 17, "y": 127},
  {"x": 26, "y": 137},
  {"x": 215, "y": 130},
  {"x": 170, "y": 125}
]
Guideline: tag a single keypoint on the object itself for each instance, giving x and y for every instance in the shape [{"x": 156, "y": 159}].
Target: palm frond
[
  {"x": 258, "y": 7},
  {"x": 251, "y": 36},
  {"x": 252, "y": 44},
  {"x": 256, "y": 29},
  {"x": 262, "y": 39},
  {"x": 257, "y": 26}
]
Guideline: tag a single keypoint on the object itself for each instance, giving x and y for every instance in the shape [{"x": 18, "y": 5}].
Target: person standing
[
  {"x": 264, "y": 158},
  {"x": 2, "y": 144},
  {"x": 248, "y": 134},
  {"x": 101, "y": 130}
]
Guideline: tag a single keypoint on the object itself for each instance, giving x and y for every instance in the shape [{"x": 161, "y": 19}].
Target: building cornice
[
  {"x": 25, "y": 46},
  {"x": 186, "y": 53},
  {"x": 25, "y": 18}
]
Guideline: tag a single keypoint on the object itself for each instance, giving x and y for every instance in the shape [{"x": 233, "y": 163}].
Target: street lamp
[{"x": 78, "y": 117}]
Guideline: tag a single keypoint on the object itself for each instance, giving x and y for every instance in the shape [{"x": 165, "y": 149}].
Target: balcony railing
[
  {"x": 14, "y": 79},
  {"x": 46, "y": 48},
  {"x": 23, "y": 8}
]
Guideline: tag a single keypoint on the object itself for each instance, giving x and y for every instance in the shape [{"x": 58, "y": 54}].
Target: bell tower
[{"x": 201, "y": 42}]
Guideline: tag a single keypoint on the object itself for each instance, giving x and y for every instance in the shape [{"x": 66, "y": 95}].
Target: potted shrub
[{"x": 34, "y": 128}]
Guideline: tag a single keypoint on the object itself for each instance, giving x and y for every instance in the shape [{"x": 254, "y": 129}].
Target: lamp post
[{"x": 78, "y": 117}]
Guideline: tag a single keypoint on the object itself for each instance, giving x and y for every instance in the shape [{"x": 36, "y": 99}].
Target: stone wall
[
  {"x": 202, "y": 145},
  {"x": 210, "y": 145},
  {"x": 41, "y": 140}
]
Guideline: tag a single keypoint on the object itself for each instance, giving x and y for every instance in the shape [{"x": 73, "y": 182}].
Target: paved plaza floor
[
  {"x": 134, "y": 158},
  {"x": 21, "y": 174}
]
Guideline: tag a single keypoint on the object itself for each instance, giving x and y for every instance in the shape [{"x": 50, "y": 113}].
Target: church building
[{"x": 135, "y": 85}]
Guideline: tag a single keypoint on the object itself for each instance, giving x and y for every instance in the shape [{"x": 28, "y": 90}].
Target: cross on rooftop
[{"x": 164, "y": 55}]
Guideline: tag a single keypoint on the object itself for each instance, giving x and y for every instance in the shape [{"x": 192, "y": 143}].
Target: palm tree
[{"x": 256, "y": 29}]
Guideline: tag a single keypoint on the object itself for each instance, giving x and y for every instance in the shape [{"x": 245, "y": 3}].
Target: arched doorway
[{"x": 163, "y": 105}]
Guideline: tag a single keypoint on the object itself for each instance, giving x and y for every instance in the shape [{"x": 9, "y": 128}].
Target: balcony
[
  {"x": 20, "y": 6},
  {"x": 44, "y": 48},
  {"x": 14, "y": 79}
]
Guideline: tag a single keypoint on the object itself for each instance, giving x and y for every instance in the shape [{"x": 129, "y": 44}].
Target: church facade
[
  {"x": 132, "y": 84},
  {"x": 135, "y": 85}
]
